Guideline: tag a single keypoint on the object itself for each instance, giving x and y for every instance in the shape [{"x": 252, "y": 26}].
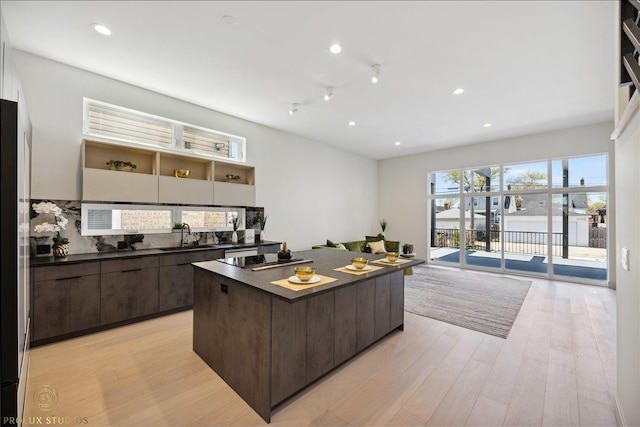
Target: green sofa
[{"x": 361, "y": 245}]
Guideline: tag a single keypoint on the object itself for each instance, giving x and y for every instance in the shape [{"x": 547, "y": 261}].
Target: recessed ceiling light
[
  {"x": 352, "y": 123},
  {"x": 487, "y": 125},
  {"x": 335, "y": 48},
  {"x": 458, "y": 91},
  {"x": 375, "y": 68},
  {"x": 328, "y": 93},
  {"x": 101, "y": 29},
  {"x": 397, "y": 143},
  {"x": 228, "y": 20}
]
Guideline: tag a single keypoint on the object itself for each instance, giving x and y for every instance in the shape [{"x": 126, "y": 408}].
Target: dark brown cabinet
[
  {"x": 396, "y": 303},
  {"x": 382, "y": 306},
  {"x": 320, "y": 335},
  {"x": 175, "y": 287},
  {"x": 345, "y": 324},
  {"x": 365, "y": 313},
  {"x": 128, "y": 288},
  {"x": 66, "y": 299}
]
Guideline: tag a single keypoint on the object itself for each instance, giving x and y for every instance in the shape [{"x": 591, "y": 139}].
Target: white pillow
[
  {"x": 377, "y": 247},
  {"x": 341, "y": 247}
]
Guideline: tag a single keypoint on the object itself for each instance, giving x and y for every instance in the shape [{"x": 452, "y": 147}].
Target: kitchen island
[{"x": 268, "y": 341}]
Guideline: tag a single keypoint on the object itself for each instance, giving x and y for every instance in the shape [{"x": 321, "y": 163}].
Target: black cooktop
[{"x": 258, "y": 261}]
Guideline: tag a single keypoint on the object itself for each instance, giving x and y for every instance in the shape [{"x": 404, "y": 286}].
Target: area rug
[{"x": 484, "y": 303}]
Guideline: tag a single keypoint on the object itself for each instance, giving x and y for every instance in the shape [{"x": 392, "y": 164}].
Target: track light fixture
[
  {"x": 329, "y": 93},
  {"x": 376, "y": 73},
  {"x": 294, "y": 108}
]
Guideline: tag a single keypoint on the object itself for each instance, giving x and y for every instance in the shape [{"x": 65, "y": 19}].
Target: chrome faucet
[{"x": 187, "y": 226}]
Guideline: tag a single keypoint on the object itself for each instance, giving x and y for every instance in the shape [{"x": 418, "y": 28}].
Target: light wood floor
[{"x": 557, "y": 368}]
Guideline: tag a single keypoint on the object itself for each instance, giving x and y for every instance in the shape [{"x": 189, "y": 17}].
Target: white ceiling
[{"x": 526, "y": 66}]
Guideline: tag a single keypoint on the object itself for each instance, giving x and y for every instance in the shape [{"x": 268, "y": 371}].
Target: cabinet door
[
  {"x": 128, "y": 294},
  {"x": 180, "y": 190},
  {"x": 383, "y": 300},
  {"x": 397, "y": 299},
  {"x": 288, "y": 353},
  {"x": 115, "y": 186},
  {"x": 320, "y": 335},
  {"x": 231, "y": 194},
  {"x": 345, "y": 337},
  {"x": 65, "y": 305},
  {"x": 365, "y": 313},
  {"x": 175, "y": 287}
]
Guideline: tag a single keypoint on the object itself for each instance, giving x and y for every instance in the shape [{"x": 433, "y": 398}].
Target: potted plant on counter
[
  {"x": 236, "y": 225},
  {"x": 262, "y": 219}
]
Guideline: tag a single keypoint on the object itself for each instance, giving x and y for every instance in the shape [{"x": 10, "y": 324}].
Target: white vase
[
  {"x": 234, "y": 238},
  {"x": 262, "y": 235}
]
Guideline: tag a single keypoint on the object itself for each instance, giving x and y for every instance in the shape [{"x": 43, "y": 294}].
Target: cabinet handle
[
  {"x": 133, "y": 269},
  {"x": 185, "y": 263},
  {"x": 69, "y": 278}
]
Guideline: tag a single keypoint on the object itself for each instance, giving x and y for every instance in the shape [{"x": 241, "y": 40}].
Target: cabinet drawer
[
  {"x": 54, "y": 272},
  {"x": 65, "y": 305},
  {"x": 118, "y": 265}
]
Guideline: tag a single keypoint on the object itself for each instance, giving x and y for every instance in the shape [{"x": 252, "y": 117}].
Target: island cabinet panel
[
  {"x": 365, "y": 313},
  {"x": 382, "y": 306},
  {"x": 289, "y": 352},
  {"x": 238, "y": 341},
  {"x": 345, "y": 324},
  {"x": 175, "y": 287},
  {"x": 129, "y": 289},
  {"x": 320, "y": 335},
  {"x": 66, "y": 299},
  {"x": 269, "y": 342},
  {"x": 203, "y": 316},
  {"x": 396, "y": 299}
]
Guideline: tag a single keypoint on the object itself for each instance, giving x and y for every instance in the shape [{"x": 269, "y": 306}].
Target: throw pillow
[
  {"x": 341, "y": 247},
  {"x": 377, "y": 247},
  {"x": 392, "y": 246},
  {"x": 330, "y": 244},
  {"x": 353, "y": 246}
]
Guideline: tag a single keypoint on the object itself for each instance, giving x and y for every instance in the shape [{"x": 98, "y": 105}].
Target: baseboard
[{"x": 618, "y": 410}]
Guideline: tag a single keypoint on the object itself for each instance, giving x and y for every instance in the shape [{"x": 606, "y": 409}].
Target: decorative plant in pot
[
  {"x": 231, "y": 177},
  {"x": 407, "y": 249},
  {"x": 262, "y": 219},
  {"x": 60, "y": 244},
  {"x": 236, "y": 225},
  {"x": 383, "y": 225},
  {"x": 119, "y": 165}
]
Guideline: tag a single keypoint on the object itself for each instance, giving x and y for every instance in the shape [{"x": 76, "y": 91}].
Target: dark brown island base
[{"x": 268, "y": 342}]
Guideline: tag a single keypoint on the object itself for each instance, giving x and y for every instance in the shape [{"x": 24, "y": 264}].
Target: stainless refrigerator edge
[{"x": 15, "y": 159}]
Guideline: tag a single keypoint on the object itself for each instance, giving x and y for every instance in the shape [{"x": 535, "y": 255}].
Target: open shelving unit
[{"x": 154, "y": 180}]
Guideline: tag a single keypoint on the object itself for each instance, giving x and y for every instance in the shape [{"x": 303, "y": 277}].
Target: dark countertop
[
  {"x": 99, "y": 256},
  {"x": 324, "y": 260}
]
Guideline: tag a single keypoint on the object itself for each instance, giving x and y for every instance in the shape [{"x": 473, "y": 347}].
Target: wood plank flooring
[{"x": 556, "y": 368}]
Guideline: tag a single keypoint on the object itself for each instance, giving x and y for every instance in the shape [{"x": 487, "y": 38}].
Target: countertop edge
[{"x": 100, "y": 256}]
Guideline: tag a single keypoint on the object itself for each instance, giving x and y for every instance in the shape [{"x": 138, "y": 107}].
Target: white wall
[
  {"x": 305, "y": 186},
  {"x": 627, "y": 147},
  {"x": 403, "y": 187}
]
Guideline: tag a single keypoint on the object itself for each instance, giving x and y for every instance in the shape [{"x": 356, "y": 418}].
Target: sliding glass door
[{"x": 544, "y": 218}]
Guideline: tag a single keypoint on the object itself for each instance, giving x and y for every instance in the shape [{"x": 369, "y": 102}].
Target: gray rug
[{"x": 488, "y": 304}]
